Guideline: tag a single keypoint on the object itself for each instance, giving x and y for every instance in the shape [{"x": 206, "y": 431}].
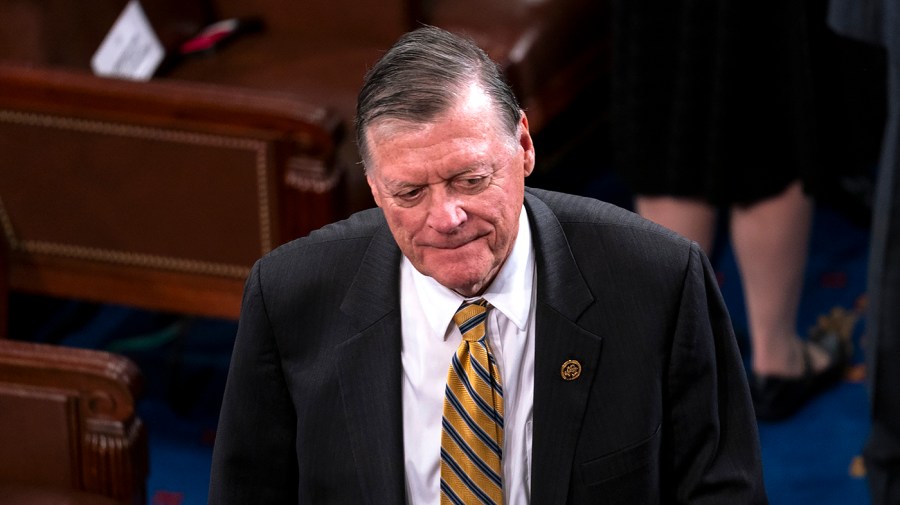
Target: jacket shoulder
[
  {"x": 580, "y": 213},
  {"x": 361, "y": 226},
  {"x": 331, "y": 250}
]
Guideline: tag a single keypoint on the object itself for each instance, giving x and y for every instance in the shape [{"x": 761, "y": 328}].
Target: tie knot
[{"x": 470, "y": 317}]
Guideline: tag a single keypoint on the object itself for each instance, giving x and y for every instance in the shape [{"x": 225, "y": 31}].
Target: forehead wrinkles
[
  {"x": 425, "y": 146},
  {"x": 386, "y": 132},
  {"x": 390, "y": 127},
  {"x": 468, "y": 139}
]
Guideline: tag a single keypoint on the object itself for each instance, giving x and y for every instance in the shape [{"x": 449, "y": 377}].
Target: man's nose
[{"x": 445, "y": 213}]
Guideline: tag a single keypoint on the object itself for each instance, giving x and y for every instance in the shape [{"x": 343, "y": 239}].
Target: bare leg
[
  {"x": 691, "y": 218},
  {"x": 770, "y": 240}
]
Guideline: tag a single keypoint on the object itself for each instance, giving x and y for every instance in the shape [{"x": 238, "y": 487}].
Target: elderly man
[{"x": 474, "y": 341}]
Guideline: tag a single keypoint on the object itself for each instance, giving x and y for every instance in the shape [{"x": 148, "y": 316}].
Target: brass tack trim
[{"x": 260, "y": 149}]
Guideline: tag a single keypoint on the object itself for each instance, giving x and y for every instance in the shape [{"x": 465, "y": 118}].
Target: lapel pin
[{"x": 570, "y": 370}]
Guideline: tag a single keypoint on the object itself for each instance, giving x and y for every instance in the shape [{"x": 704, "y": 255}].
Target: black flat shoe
[{"x": 777, "y": 398}]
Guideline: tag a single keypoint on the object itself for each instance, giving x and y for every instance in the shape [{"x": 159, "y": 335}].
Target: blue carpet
[{"x": 808, "y": 459}]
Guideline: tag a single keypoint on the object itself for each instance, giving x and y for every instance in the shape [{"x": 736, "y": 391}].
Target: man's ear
[{"x": 527, "y": 145}]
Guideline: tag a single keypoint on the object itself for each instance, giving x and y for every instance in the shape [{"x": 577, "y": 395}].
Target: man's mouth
[{"x": 451, "y": 244}]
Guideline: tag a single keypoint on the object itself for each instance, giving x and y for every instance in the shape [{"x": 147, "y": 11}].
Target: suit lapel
[
  {"x": 559, "y": 404},
  {"x": 370, "y": 372}
]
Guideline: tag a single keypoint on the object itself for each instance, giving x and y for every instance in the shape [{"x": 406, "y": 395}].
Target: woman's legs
[{"x": 770, "y": 240}]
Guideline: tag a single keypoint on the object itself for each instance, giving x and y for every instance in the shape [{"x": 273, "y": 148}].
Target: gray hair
[{"x": 422, "y": 76}]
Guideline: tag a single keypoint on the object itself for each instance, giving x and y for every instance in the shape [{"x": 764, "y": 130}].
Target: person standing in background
[
  {"x": 714, "y": 107},
  {"x": 878, "y": 22}
]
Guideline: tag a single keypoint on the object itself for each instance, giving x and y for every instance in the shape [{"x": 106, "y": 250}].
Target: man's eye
[
  {"x": 471, "y": 183},
  {"x": 410, "y": 194}
]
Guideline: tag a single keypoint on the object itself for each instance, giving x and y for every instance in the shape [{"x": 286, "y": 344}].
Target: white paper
[{"x": 131, "y": 50}]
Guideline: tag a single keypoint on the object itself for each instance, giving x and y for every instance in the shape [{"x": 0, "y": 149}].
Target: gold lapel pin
[{"x": 570, "y": 370}]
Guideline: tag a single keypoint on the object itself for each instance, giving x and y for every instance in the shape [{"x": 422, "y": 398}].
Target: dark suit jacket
[{"x": 660, "y": 413}]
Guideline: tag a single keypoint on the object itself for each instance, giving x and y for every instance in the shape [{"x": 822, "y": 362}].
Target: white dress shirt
[{"x": 429, "y": 341}]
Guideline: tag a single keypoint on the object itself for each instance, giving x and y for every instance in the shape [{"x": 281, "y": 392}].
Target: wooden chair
[{"x": 68, "y": 429}]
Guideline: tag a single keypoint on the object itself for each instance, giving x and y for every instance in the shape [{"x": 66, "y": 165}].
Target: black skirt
[{"x": 731, "y": 101}]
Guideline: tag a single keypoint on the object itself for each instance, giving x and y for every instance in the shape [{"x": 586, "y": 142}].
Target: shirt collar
[{"x": 510, "y": 292}]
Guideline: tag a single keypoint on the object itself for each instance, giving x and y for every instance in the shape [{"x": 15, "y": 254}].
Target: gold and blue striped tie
[{"x": 472, "y": 438}]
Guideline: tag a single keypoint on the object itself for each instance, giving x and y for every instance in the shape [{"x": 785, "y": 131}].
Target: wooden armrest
[
  {"x": 69, "y": 421},
  {"x": 117, "y": 379},
  {"x": 167, "y": 103}
]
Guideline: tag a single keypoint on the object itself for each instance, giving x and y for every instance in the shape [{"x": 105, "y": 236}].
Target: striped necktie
[{"x": 472, "y": 437}]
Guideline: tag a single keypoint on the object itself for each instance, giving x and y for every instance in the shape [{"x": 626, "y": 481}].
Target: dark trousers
[{"x": 882, "y": 451}]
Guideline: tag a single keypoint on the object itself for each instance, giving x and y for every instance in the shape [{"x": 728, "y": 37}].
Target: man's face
[{"x": 452, "y": 190}]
